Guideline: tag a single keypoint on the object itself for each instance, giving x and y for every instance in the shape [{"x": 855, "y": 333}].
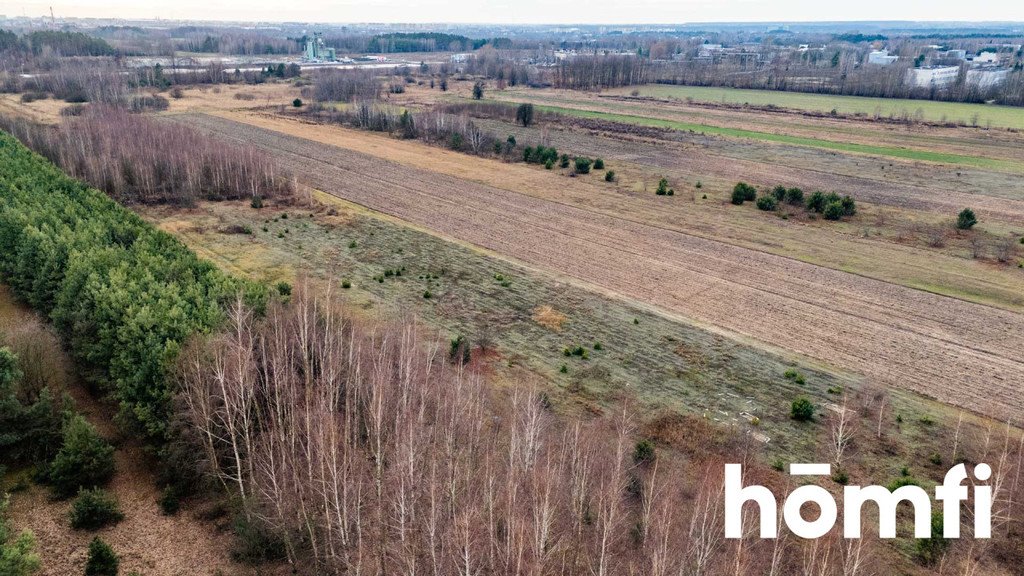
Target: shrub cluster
[
  {"x": 579, "y": 351},
  {"x": 802, "y": 410},
  {"x": 85, "y": 460},
  {"x": 795, "y": 376},
  {"x": 831, "y": 205},
  {"x": 454, "y": 131},
  {"x": 101, "y": 561},
  {"x": 94, "y": 509},
  {"x": 459, "y": 350},
  {"x": 17, "y": 552},
  {"x": 644, "y": 453},
  {"x": 743, "y": 192},
  {"x": 490, "y": 109},
  {"x": 767, "y": 203},
  {"x": 794, "y": 196},
  {"x": 30, "y": 427},
  {"x": 344, "y": 86},
  {"x": 966, "y": 220},
  {"x": 150, "y": 103},
  {"x": 540, "y": 155}
]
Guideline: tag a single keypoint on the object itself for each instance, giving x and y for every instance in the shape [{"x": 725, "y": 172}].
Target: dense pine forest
[{"x": 123, "y": 295}]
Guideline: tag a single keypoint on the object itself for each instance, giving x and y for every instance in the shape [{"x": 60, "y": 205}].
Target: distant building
[
  {"x": 316, "y": 51},
  {"x": 933, "y": 76},
  {"x": 881, "y": 58},
  {"x": 985, "y": 58},
  {"x": 708, "y": 50},
  {"x": 987, "y": 77},
  {"x": 953, "y": 54},
  {"x": 457, "y": 58}
]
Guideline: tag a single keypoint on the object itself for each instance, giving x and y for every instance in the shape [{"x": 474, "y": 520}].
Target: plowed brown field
[{"x": 961, "y": 353}]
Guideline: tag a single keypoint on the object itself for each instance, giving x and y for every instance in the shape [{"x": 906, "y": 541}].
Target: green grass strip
[{"x": 894, "y": 152}]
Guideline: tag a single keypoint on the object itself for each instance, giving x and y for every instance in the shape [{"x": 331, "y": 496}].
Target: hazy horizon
[{"x": 598, "y": 12}]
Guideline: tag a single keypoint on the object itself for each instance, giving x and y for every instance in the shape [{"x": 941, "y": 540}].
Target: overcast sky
[{"x": 526, "y": 11}]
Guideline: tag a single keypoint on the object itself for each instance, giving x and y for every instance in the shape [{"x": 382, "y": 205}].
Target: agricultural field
[
  {"x": 525, "y": 320},
  {"x": 904, "y": 337},
  {"x": 944, "y": 146},
  {"x": 986, "y": 115}
]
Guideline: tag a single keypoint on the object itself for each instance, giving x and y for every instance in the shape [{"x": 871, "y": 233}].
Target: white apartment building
[
  {"x": 933, "y": 76},
  {"x": 881, "y": 58},
  {"x": 987, "y": 77}
]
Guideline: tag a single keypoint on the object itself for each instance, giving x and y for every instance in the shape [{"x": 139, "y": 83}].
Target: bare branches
[
  {"x": 138, "y": 159},
  {"x": 365, "y": 453},
  {"x": 842, "y": 423},
  {"x": 589, "y": 72}
]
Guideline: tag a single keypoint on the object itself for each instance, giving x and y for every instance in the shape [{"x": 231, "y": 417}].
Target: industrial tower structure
[{"x": 317, "y": 51}]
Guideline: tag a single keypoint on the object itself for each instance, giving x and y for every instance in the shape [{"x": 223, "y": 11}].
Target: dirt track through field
[{"x": 961, "y": 353}]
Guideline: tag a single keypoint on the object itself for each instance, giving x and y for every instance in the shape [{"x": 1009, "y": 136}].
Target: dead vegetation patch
[
  {"x": 549, "y": 318},
  {"x": 688, "y": 433}
]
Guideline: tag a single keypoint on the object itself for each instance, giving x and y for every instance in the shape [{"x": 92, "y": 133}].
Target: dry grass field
[
  {"x": 991, "y": 148},
  {"x": 928, "y": 110},
  {"x": 195, "y": 99},
  {"x": 881, "y": 253},
  {"x": 525, "y": 319},
  {"x": 957, "y": 351},
  {"x": 46, "y": 111},
  {"x": 896, "y": 279},
  {"x": 233, "y": 97}
]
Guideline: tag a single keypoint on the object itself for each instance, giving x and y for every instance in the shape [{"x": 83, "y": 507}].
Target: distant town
[{"x": 959, "y": 62}]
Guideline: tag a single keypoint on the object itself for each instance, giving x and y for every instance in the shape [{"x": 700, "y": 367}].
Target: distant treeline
[
  {"x": 427, "y": 42},
  {"x": 493, "y": 64},
  {"x": 854, "y": 38},
  {"x": 842, "y": 73},
  {"x": 123, "y": 295},
  {"x": 589, "y": 72},
  {"x": 59, "y": 42},
  {"x": 137, "y": 159},
  {"x": 110, "y": 82},
  {"x": 963, "y": 35},
  {"x": 8, "y": 40},
  {"x": 344, "y": 86},
  {"x": 237, "y": 43}
]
